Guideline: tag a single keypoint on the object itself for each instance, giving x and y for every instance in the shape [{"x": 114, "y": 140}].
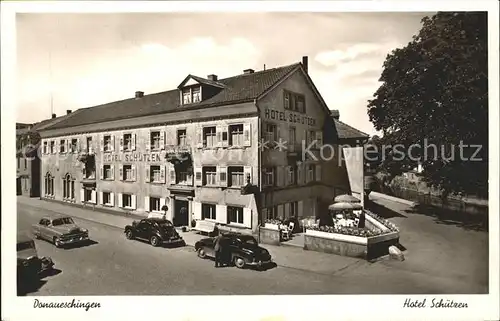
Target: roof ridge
[{"x": 262, "y": 71}]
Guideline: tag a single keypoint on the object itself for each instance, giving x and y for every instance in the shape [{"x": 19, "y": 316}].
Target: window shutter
[
  {"x": 221, "y": 213},
  {"x": 112, "y": 172},
  {"x": 222, "y": 175},
  {"x": 247, "y": 135},
  {"x": 134, "y": 201},
  {"x": 133, "y": 141},
  {"x": 102, "y": 143},
  {"x": 162, "y": 139},
  {"x": 279, "y": 176},
  {"x": 55, "y": 151},
  {"x": 287, "y": 175},
  {"x": 300, "y": 174},
  {"x": 281, "y": 213},
  {"x": 306, "y": 140},
  {"x": 247, "y": 217},
  {"x": 112, "y": 143},
  {"x": 318, "y": 173},
  {"x": 112, "y": 199},
  {"x": 100, "y": 198},
  {"x": 319, "y": 139},
  {"x": 148, "y": 141},
  {"x": 300, "y": 209},
  {"x": 198, "y": 176},
  {"x": 197, "y": 210},
  {"x": 82, "y": 195},
  {"x": 120, "y": 200},
  {"x": 102, "y": 172},
  {"x": 148, "y": 177},
  {"x": 146, "y": 204},
  {"x": 77, "y": 147},
  {"x": 122, "y": 139},
  {"x": 218, "y": 131},
  {"x": 134, "y": 173},
  {"x": 172, "y": 175},
  {"x": 247, "y": 170},
  {"x": 121, "y": 172},
  {"x": 162, "y": 173},
  {"x": 93, "y": 197},
  {"x": 225, "y": 132},
  {"x": 199, "y": 137},
  {"x": 84, "y": 171}
]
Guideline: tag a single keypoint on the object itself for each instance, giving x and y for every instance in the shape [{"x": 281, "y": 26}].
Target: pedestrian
[{"x": 218, "y": 247}]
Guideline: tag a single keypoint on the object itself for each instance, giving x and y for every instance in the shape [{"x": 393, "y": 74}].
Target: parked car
[
  {"x": 29, "y": 265},
  {"x": 156, "y": 231},
  {"x": 60, "y": 230},
  {"x": 243, "y": 249}
]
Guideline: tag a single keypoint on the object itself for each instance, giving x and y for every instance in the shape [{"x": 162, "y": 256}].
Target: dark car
[
  {"x": 29, "y": 265},
  {"x": 243, "y": 250},
  {"x": 156, "y": 231}
]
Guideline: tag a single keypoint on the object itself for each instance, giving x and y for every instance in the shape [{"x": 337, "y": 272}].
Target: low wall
[
  {"x": 367, "y": 248},
  {"x": 269, "y": 236}
]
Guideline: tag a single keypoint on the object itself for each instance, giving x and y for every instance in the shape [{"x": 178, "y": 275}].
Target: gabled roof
[
  {"x": 201, "y": 81},
  {"x": 345, "y": 131},
  {"x": 237, "y": 89}
]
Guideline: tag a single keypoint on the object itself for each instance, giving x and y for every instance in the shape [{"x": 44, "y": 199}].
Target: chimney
[
  {"x": 68, "y": 111},
  {"x": 54, "y": 116},
  {"x": 305, "y": 64},
  {"x": 212, "y": 77},
  {"x": 139, "y": 94},
  {"x": 335, "y": 114},
  {"x": 248, "y": 71}
]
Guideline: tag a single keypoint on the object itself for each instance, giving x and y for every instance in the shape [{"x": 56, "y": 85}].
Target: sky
[{"x": 72, "y": 61}]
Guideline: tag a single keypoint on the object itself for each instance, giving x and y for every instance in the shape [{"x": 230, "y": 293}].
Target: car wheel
[
  {"x": 57, "y": 242},
  {"x": 129, "y": 235},
  {"x": 154, "y": 240},
  {"x": 239, "y": 262},
  {"x": 201, "y": 253}
]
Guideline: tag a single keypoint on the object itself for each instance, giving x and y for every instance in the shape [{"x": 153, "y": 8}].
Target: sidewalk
[
  {"x": 284, "y": 256},
  {"x": 376, "y": 195}
]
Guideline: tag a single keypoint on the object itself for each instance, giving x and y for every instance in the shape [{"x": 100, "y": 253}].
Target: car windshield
[
  {"x": 62, "y": 221},
  {"x": 25, "y": 245}
]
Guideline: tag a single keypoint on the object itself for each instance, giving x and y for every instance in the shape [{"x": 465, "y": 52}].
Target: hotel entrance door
[{"x": 181, "y": 213}]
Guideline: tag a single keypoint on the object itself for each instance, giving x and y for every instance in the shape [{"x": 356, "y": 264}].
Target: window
[
  {"x": 68, "y": 187},
  {"x": 300, "y": 104},
  {"x": 52, "y": 147},
  {"x": 184, "y": 176},
  {"x": 25, "y": 163},
  {"x": 310, "y": 173},
  {"x": 62, "y": 146},
  {"x": 236, "y": 176},
  {"x": 107, "y": 143},
  {"x": 89, "y": 144},
  {"x": 236, "y": 135},
  {"x": 45, "y": 147},
  {"x": 268, "y": 176},
  {"x": 209, "y": 175},
  {"x": 49, "y": 185},
  {"x": 127, "y": 142},
  {"x": 181, "y": 137},
  {"x": 292, "y": 175},
  {"x": 196, "y": 94},
  {"x": 87, "y": 195},
  {"x": 155, "y": 140},
  {"x": 74, "y": 145},
  {"x": 127, "y": 173},
  {"x": 271, "y": 213},
  {"x": 209, "y": 137},
  {"x": 106, "y": 198},
  {"x": 107, "y": 172},
  {"x": 207, "y": 212},
  {"x": 154, "y": 173},
  {"x": 270, "y": 133},
  {"x": 235, "y": 214},
  {"x": 291, "y": 135},
  {"x": 154, "y": 204},
  {"x": 127, "y": 200},
  {"x": 186, "y": 96},
  {"x": 286, "y": 99},
  {"x": 294, "y": 209},
  {"x": 311, "y": 137},
  {"x": 18, "y": 163},
  {"x": 191, "y": 95}
]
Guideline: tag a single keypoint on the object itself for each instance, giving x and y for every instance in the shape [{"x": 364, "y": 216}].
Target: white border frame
[{"x": 481, "y": 307}]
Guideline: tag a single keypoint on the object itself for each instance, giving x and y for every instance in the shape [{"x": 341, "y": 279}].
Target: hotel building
[{"x": 227, "y": 150}]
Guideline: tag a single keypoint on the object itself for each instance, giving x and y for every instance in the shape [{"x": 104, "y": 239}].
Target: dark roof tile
[{"x": 345, "y": 131}]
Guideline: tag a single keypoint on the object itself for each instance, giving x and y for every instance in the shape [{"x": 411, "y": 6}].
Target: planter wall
[
  {"x": 271, "y": 226},
  {"x": 269, "y": 236},
  {"x": 370, "y": 223}
]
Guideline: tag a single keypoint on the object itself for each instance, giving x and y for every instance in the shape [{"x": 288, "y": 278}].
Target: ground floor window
[
  {"x": 235, "y": 214},
  {"x": 106, "y": 198},
  {"x": 68, "y": 187},
  {"x": 294, "y": 209},
  {"x": 127, "y": 200},
  {"x": 207, "y": 211},
  {"x": 270, "y": 213},
  {"x": 49, "y": 184},
  {"x": 154, "y": 204},
  {"x": 236, "y": 176},
  {"x": 88, "y": 195}
]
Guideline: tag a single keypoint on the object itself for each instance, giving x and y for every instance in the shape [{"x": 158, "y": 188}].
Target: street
[{"x": 114, "y": 265}]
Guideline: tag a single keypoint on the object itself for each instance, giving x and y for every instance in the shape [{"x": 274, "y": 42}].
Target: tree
[{"x": 435, "y": 92}]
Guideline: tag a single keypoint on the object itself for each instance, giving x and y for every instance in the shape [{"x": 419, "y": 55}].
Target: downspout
[{"x": 258, "y": 194}]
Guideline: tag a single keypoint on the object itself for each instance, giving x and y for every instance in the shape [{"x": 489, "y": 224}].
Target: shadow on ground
[
  {"x": 80, "y": 245},
  {"x": 27, "y": 286},
  {"x": 464, "y": 220}
]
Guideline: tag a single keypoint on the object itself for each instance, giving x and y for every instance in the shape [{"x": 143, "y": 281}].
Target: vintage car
[
  {"x": 29, "y": 265},
  {"x": 156, "y": 231},
  {"x": 60, "y": 230},
  {"x": 243, "y": 250}
]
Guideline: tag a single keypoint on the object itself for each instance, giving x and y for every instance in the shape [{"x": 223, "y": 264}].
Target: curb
[{"x": 392, "y": 198}]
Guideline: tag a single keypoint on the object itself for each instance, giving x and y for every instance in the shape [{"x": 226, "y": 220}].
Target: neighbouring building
[{"x": 234, "y": 151}]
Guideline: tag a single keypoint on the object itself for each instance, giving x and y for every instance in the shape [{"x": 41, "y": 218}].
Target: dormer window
[{"x": 191, "y": 95}]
